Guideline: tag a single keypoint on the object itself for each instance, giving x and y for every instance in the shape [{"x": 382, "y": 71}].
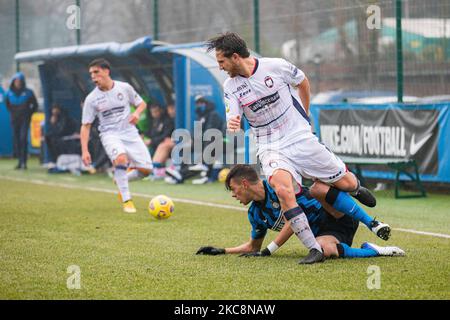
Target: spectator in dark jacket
[
  {"x": 160, "y": 127},
  {"x": 159, "y": 133},
  {"x": 62, "y": 135},
  {"x": 21, "y": 103},
  {"x": 209, "y": 118}
]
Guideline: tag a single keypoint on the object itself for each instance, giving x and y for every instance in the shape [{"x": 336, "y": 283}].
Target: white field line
[
  {"x": 439, "y": 235},
  {"x": 143, "y": 195},
  {"x": 197, "y": 202}
]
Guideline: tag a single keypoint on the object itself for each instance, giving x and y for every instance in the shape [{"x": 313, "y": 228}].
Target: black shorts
[{"x": 343, "y": 229}]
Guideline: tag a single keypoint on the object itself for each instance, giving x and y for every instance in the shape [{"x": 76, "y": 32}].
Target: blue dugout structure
[
  {"x": 5, "y": 127},
  {"x": 160, "y": 72}
]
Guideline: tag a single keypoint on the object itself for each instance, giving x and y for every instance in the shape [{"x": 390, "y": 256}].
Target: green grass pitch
[{"x": 46, "y": 227}]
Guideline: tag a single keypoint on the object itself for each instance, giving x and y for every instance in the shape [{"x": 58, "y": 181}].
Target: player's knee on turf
[
  {"x": 329, "y": 247},
  {"x": 330, "y": 251}
]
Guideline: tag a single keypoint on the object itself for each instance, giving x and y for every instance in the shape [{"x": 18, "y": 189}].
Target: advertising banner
[{"x": 390, "y": 132}]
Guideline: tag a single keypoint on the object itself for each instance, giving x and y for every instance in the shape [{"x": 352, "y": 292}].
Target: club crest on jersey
[
  {"x": 120, "y": 96},
  {"x": 275, "y": 205},
  {"x": 268, "y": 81}
]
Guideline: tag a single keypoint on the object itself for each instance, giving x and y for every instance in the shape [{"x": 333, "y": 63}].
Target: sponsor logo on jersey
[
  {"x": 243, "y": 94},
  {"x": 268, "y": 81},
  {"x": 100, "y": 98},
  {"x": 294, "y": 70},
  {"x": 113, "y": 111},
  {"x": 241, "y": 87},
  {"x": 261, "y": 103}
]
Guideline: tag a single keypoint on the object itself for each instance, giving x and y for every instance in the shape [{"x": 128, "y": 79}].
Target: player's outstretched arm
[
  {"x": 251, "y": 246},
  {"x": 280, "y": 239},
  {"x": 211, "y": 251}
]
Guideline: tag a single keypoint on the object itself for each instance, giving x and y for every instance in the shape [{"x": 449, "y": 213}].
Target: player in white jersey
[
  {"x": 274, "y": 96},
  {"x": 110, "y": 101}
]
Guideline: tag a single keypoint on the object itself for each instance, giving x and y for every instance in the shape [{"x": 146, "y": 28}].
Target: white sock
[
  {"x": 134, "y": 175},
  {"x": 120, "y": 176},
  {"x": 300, "y": 226}
]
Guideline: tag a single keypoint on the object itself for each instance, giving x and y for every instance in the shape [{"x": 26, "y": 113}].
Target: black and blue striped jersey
[{"x": 266, "y": 214}]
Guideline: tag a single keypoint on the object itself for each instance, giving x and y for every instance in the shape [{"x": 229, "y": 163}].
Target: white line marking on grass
[
  {"x": 440, "y": 235},
  {"x": 143, "y": 195},
  {"x": 197, "y": 202}
]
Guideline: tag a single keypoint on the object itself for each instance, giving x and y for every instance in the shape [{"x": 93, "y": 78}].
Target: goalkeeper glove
[
  {"x": 263, "y": 253},
  {"x": 210, "y": 251}
]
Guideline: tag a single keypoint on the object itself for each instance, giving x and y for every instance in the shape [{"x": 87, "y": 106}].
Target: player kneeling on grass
[
  {"x": 110, "y": 101},
  {"x": 335, "y": 235}
]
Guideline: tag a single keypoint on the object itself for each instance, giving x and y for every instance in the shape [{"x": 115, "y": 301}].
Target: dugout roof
[{"x": 159, "y": 71}]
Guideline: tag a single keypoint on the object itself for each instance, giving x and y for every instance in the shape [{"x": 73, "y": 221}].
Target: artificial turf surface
[{"x": 44, "y": 229}]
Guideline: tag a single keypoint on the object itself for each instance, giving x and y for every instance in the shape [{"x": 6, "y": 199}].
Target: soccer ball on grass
[{"x": 161, "y": 207}]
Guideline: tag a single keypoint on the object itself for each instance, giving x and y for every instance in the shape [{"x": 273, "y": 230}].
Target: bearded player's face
[{"x": 229, "y": 65}]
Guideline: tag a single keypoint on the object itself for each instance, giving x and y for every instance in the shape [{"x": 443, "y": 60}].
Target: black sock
[{"x": 332, "y": 195}]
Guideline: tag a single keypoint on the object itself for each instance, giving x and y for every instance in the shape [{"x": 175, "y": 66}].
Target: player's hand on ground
[
  {"x": 234, "y": 124},
  {"x": 211, "y": 251},
  {"x": 86, "y": 158},
  {"x": 263, "y": 253},
  {"x": 134, "y": 118}
]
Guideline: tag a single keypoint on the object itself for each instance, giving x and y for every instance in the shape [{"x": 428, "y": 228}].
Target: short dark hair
[
  {"x": 100, "y": 62},
  {"x": 241, "y": 171},
  {"x": 228, "y": 43}
]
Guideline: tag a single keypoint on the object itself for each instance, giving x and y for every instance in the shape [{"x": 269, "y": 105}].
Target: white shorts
[
  {"x": 307, "y": 157},
  {"x": 129, "y": 143}
]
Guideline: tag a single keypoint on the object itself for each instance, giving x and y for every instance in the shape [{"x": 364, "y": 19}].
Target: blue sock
[
  {"x": 344, "y": 203},
  {"x": 347, "y": 252}
]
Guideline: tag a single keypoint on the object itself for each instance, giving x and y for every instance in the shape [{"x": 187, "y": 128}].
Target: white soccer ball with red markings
[{"x": 161, "y": 207}]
